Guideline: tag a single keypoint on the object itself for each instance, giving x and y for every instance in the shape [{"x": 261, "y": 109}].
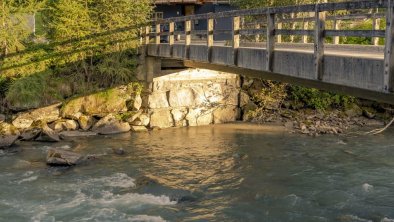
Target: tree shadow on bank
[{"x": 46, "y": 73}]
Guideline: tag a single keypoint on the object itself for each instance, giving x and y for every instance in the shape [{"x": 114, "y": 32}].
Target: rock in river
[
  {"x": 48, "y": 135},
  {"x": 110, "y": 125},
  {"x": 8, "y": 134},
  {"x": 58, "y": 157}
]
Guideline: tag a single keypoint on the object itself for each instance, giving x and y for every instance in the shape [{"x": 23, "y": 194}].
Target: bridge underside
[{"x": 350, "y": 71}]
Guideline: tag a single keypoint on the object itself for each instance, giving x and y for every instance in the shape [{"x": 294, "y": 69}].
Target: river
[{"x": 235, "y": 172}]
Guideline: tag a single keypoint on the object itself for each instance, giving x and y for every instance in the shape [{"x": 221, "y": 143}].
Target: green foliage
[
  {"x": 318, "y": 99},
  {"x": 80, "y": 46}
]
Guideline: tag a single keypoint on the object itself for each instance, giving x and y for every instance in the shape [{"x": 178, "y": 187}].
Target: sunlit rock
[
  {"x": 225, "y": 114},
  {"x": 8, "y": 134},
  {"x": 141, "y": 120},
  {"x": 46, "y": 114},
  {"x": 158, "y": 100},
  {"x": 58, "y": 157},
  {"x": 199, "y": 117},
  {"x": 85, "y": 122},
  {"x": 139, "y": 129},
  {"x": 181, "y": 97},
  {"x": 179, "y": 116},
  {"x": 47, "y": 134},
  {"x": 110, "y": 125},
  {"x": 161, "y": 118}
]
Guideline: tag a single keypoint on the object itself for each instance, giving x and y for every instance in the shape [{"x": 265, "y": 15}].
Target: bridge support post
[
  {"x": 279, "y": 37},
  {"x": 236, "y": 37},
  {"x": 389, "y": 49},
  {"x": 210, "y": 38},
  {"x": 270, "y": 41},
  {"x": 320, "y": 22},
  {"x": 188, "y": 38},
  {"x": 375, "y": 26}
]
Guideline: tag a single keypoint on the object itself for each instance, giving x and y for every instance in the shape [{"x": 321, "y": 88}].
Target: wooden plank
[
  {"x": 366, "y": 4},
  {"x": 236, "y": 37},
  {"x": 188, "y": 37},
  {"x": 210, "y": 39},
  {"x": 389, "y": 50},
  {"x": 256, "y": 32},
  {"x": 270, "y": 42},
  {"x": 356, "y": 33},
  {"x": 319, "y": 43},
  {"x": 295, "y": 32}
]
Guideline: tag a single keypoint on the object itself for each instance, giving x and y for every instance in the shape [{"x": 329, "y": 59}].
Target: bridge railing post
[
  {"x": 320, "y": 20},
  {"x": 171, "y": 37},
  {"x": 147, "y": 35},
  {"x": 188, "y": 37},
  {"x": 157, "y": 34},
  {"x": 270, "y": 41},
  {"x": 389, "y": 49},
  {"x": 236, "y": 37},
  {"x": 210, "y": 37},
  {"x": 337, "y": 24}
]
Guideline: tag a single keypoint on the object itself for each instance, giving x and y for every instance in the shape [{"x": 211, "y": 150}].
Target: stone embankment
[{"x": 188, "y": 98}]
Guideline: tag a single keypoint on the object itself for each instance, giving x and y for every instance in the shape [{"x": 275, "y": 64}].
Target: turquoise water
[{"x": 215, "y": 173}]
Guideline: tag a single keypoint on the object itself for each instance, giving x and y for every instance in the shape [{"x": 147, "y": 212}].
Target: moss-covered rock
[{"x": 99, "y": 104}]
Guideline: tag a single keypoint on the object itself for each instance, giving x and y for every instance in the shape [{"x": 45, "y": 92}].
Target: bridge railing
[{"x": 273, "y": 30}]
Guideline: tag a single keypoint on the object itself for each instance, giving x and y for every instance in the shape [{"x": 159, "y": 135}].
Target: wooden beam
[
  {"x": 236, "y": 37},
  {"x": 319, "y": 42},
  {"x": 210, "y": 37},
  {"x": 188, "y": 37},
  {"x": 389, "y": 49},
  {"x": 270, "y": 42},
  {"x": 279, "y": 36}
]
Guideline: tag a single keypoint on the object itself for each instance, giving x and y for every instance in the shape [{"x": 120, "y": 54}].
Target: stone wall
[{"x": 193, "y": 97}]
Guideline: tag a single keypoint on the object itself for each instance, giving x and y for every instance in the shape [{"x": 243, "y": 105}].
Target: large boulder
[
  {"x": 161, "y": 118},
  {"x": 8, "y": 134},
  {"x": 199, "y": 117},
  {"x": 46, "y": 114},
  {"x": 110, "y": 125},
  {"x": 98, "y": 104},
  {"x": 30, "y": 133},
  {"x": 181, "y": 98},
  {"x": 65, "y": 125},
  {"x": 47, "y": 134},
  {"x": 58, "y": 157},
  {"x": 158, "y": 100},
  {"x": 225, "y": 114},
  {"x": 85, "y": 122},
  {"x": 179, "y": 116},
  {"x": 141, "y": 120}
]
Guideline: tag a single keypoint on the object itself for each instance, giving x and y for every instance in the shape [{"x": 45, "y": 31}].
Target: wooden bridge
[{"x": 294, "y": 44}]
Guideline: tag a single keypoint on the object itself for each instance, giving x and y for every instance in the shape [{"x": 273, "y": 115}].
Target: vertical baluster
[
  {"x": 337, "y": 24},
  {"x": 236, "y": 38},
  {"x": 147, "y": 35},
  {"x": 305, "y": 27},
  {"x": 157, "y": 34},
  {"x": 389, "y": 49},
  {"x": 375, "y": 26},
  {"x": 188, "y": 37},
  {"x": 171, "y": 37},
  {"x": 320, "y": 18},
  {"x": 210, "y": 39},
  {"x": 270, "y": 42}
]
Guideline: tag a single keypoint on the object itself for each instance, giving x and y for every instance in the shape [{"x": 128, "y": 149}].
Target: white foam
[
  {"x": 147, "y": 218},
  {"x": 133, "y": 200},
  {"x": 117, "y": 180},
  {"x": 29, "y": 179}
]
